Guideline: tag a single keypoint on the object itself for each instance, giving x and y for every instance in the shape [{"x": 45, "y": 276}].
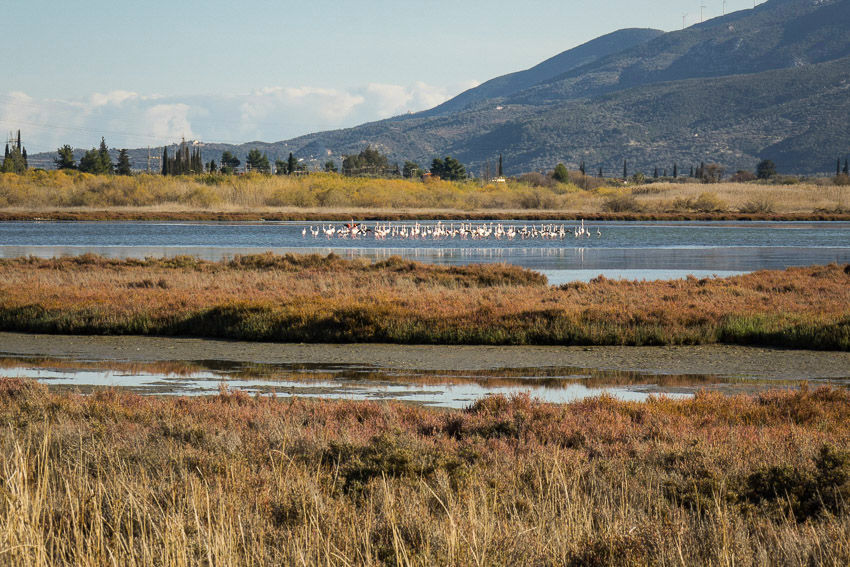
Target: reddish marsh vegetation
[
  {"x": 115, "y": 478},
  {"x": 327, "y": 299}
]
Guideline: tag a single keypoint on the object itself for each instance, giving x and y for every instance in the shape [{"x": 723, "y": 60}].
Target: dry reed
[
  {"x": 118, "y": 479},
  {"x": 326, "y": 299}
]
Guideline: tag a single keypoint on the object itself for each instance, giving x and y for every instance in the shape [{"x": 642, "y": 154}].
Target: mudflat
[{"x": 721, "y": 360}]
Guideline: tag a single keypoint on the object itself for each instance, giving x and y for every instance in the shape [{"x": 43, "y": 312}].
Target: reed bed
[
  {"x": 118, "y": 479},
  {"x": 152, "y": 196},
  {"x": 317, "y": 298}
]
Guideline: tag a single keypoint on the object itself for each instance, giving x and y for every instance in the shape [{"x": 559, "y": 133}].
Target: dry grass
[
  {"x": 326, "y": 299},
  {"x": 119, "y": 479},
  {"x": 52, "y": 193}
]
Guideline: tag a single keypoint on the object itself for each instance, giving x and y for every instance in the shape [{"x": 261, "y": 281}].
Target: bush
[
  {"x": 622, "y": 204},
  {"x": 758, "y": 206}
]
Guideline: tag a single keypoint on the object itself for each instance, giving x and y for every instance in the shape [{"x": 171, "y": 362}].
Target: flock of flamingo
[{"x": 440, "y": 230}]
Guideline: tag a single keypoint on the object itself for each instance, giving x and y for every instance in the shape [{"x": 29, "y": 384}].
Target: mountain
[
  {"x": 771, "y": 82},
  {"x": 775, "y": 35},
  {"x": 549, "y": 69}
]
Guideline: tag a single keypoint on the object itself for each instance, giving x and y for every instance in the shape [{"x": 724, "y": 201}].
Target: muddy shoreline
[{"x": 722, "y": 360}]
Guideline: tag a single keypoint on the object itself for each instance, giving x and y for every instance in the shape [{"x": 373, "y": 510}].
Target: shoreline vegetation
[
  {"x": 327, "y": 299},
  {"x": 69, "y": 195},
  {"x": 117, "y": 478}
]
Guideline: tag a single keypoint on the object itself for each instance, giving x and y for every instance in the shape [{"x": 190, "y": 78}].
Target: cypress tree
[
  {"x": 6, "y": 154},
  {"x": 692, "y": 172},
  {"x": 846, "y": 168},
  {"x": 165, "y": 161},
  {"x": 19, "y": 139},
  {"x": 123, "y": 163},
  {"x": 24, "y": 155},
  {"x": 625, "y": 169},
  {"x": 838, "y": 167},
  {"x": 291, "y": 164},
  {"x": 675, "y": 171},
  {"x": 655, "y": 173},
  {"x": 600, "y": 173},
  {"x": 665, "y": 173},
  {"x": 500, "y": 166},
  {"x": 105, "y": 161},
  {"x": 581, "y": 167}
]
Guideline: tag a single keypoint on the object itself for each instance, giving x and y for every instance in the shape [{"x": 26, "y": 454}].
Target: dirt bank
[{"x": 714, "y": 359}]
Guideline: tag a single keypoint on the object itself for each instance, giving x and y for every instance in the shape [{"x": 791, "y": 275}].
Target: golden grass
[
  {"x": 291, "y": 197},
  {"x": 118, "y": 479},
  {"x": 326, "y": 299}
]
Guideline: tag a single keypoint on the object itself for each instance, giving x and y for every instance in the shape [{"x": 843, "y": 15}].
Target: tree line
[{"x": 368, "y": 162}]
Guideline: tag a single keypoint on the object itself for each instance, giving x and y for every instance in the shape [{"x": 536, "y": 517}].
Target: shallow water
[
  {"x": 634, "y": 250},
  {"x": 455, "y": 389}
]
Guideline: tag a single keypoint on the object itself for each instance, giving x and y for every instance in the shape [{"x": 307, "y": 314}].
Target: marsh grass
[
  {"x": 317, "y": 298},
  {"x": 115, "y": 478},
  {"x": 59, "y": 194}
]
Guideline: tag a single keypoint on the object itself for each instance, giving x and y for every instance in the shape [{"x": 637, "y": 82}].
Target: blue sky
[{"x": 147, "y": 73}]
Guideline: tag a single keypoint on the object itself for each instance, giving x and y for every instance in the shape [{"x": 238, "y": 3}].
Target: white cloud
[
  {"x": 130, "y": 119},
  {"x": 169, "y": 121}
]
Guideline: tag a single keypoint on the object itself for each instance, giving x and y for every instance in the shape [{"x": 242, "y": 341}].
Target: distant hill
[
  {"x": 771, "y": 82},
  {"x": 775, "y": 35},
  {"x": 553, "y": 67}
]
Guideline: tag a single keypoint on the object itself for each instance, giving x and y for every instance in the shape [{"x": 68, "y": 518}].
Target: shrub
[
  {"x": 758, "y": 206},
  {"x": 622, "y": 204}
]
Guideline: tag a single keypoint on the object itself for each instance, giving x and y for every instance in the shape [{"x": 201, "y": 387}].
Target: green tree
[
  {"x": 411, "y": 169},
  {"x": 212, "y": 167},
  {"x": 91, "y": 163},
  {"x": 291, "y": 164},
  {"x": 449, "y": 169},
  {"x": 66, "y": 158},
  {"x": 368, "y": 162},
  {"x": 330, "y": 166},
  {"x": 765, "y": 169},
  {"x": 675, "y": 170},
  {"x": 838, "y": 167},
  {"x": 13, "y": 162},
  {"x": 846, "y": 168},
  {"x": 625, "y": 169},
  {"x": 106, "y": 166},
  {"x": 581, "y": 167},
  {"x": 655, "y": 173},
  {"x": 165, "y": 161},
  {"x": 257, "y": 161},
  {"x": 229, "y": 163},
  {"x": 501, "y": 169},
  {"x": 123, "y": 167},
  {"x": 600, "y": 173},
  {"x": 561, "y": 174}
]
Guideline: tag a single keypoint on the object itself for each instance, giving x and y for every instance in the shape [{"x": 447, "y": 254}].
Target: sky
[{"x": 149, "y": 73}]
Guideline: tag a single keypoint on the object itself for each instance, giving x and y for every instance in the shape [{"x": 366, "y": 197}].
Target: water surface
[{"x": 631, "y": 250}]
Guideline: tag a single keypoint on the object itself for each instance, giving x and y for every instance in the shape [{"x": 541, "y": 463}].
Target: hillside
[
  {"x": 777, "y": 34},
  {"x": 553, "y": 67}
]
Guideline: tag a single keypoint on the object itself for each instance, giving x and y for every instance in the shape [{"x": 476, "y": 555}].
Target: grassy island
[{"x": 313, "y": 298}]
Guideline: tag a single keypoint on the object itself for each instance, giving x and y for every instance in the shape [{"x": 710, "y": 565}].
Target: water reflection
[{"x": 437, "y": 388}]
